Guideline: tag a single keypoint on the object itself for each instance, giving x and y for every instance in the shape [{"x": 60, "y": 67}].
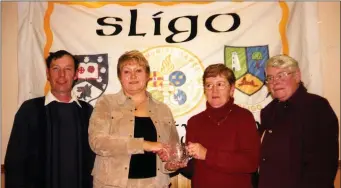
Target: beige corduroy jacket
[{"x": 111, "y": 137}]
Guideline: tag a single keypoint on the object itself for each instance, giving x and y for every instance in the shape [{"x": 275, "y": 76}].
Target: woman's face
[
  {"x": 133, "y": 77},
  {"x": 218, "y": 91}
]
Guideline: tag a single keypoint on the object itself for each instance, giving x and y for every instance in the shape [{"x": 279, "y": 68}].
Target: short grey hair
[{"x": 283, "y": 62}]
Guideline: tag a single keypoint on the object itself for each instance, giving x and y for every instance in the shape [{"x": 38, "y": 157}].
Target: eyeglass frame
[
  {"x": 222, "y": 87},
  {"x": 282, "y": 76}
]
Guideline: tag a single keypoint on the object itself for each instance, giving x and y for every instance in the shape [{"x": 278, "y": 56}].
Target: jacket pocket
[{"x": 116, "y": 117}]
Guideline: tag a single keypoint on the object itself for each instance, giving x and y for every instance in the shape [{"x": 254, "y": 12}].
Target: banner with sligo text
[{"x": 179, "y": 40}]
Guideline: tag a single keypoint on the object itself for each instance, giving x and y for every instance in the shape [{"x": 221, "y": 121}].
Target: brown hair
[
  {"x": 219, "y": 69},
  {"x": 133, "y": 55}
]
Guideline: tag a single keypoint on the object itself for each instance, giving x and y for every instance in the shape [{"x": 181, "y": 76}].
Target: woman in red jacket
[{"x": 222, "y": 139}]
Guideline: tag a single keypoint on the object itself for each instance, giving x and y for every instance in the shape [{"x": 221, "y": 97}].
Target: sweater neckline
[{"x": 221, "y": 114}]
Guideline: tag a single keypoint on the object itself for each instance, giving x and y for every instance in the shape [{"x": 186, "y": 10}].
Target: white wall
[
  {"x": 9, "y": 71},
  {"x": 329, "y": 17}
]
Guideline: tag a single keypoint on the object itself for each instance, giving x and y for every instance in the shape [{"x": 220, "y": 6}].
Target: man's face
[
  {"x": 282, "y": 83},
  {"x": 61, "y": 74},
  {"x": 218, "y": 91}
]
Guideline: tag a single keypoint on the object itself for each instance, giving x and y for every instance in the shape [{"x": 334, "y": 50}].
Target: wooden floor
[
  {"x": 2, "y": 177},
  {"x": 182, "y": 182},
  {"x": 337, "y": 179}
]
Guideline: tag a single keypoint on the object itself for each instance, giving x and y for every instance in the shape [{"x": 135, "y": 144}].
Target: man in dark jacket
[
  {"x": 300, "y": 147},
  {"x": 48, "y": 146}
]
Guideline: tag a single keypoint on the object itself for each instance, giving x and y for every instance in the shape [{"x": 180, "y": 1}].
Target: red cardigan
[{"x": 233, "y": 146}]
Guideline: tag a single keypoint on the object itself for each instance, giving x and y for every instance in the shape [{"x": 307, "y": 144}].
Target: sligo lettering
[{"x": 114, "y": 23}]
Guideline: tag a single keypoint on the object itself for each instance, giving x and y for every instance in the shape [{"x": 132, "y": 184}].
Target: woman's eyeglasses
[{"x": 219, "y": 85}]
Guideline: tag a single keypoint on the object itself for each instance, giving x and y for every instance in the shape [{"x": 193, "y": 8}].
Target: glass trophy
[{"x": 178, "y": 153}]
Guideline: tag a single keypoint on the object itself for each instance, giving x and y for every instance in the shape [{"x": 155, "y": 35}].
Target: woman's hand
[
  {"x": 164, "y": 152},
  {"x": 196, "y": 150},
  {"x": 152, "y": 146}
]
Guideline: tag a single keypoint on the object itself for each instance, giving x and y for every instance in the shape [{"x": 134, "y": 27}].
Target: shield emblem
[
  {"x": 92, "y": 76},
  {"x": 248, "y": 65},
  {"x": 175, "y": 78}
]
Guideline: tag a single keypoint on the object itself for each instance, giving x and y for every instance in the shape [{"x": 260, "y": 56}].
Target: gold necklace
[
  {"x": 220, "y": 121},
  {"x": 137, "y": 106}
]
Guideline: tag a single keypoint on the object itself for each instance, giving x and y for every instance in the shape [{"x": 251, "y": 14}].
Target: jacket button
[
  {"x": 263, "y": 159},
  {"x": 159, "y": 136},
  {"x": 158, "y": 169},
  {"x": 270, "y": 131},
  {"x": 125, "y": 168}
]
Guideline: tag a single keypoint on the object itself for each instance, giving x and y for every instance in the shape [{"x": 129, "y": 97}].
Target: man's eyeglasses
[
  {"x": 282, "y": 76},
  {"x": 219, "y": 85}
]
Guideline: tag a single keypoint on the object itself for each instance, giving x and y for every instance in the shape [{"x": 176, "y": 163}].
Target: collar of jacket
[
  {"x": 122, "y": 98},
  {"x": 296, "y": 98}
]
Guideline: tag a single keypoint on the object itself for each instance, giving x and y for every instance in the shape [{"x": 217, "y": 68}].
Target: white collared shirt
[{"x": 50, "y": 98}]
